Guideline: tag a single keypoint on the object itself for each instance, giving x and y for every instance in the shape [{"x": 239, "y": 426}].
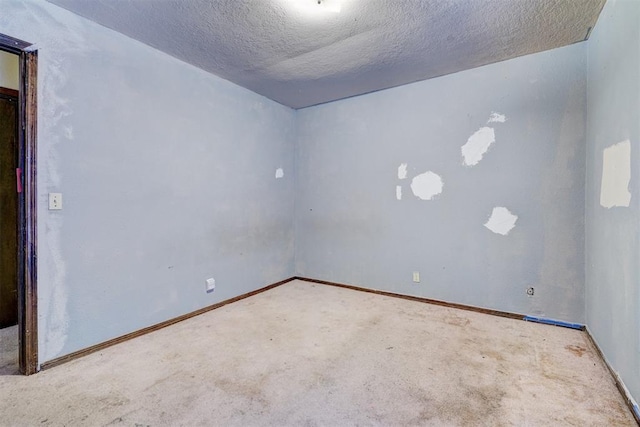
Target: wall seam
[
  {"x": 296, "y": 140},
  {"x": 586, "y": 180}
]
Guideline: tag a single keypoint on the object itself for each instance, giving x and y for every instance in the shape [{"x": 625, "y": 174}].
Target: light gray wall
[
  {"x": 612, "y": 235},
  {"x": 350, "y": 227},
  {"x": 167, "y": 175}
]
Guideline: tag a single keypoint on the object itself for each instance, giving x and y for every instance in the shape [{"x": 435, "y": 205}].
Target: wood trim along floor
[
  {"x": 149, "y": 329},
  {"x": 418, "y": 299},
  {"x": 75, "y": 355},
  {"x": 452, "y": 305},
  {"x": 616, "y": 378},
  {"x": 84, "y": 352}
]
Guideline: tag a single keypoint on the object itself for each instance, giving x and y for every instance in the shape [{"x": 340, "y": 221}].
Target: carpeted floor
[
  {"x": 9, "y": 351},
  {"x": 308, "y": 354}
]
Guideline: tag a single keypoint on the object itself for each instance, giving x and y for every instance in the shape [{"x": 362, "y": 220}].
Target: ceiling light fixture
[{"x": 318, "y": 6}]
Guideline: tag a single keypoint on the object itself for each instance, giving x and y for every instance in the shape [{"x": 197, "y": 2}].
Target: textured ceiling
[{"x": 300, "y": 53}]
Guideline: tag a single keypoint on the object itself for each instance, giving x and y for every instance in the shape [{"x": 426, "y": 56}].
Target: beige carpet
[
  {"x": 9, "y": 352},
  {"x": 306, "y": 354}
]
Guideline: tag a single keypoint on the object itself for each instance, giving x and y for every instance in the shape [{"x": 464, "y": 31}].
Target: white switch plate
[
  {"x": 55, "y": 201},
  {"x": 416, "y": 276},
  {"x": 211, "y": 285}
]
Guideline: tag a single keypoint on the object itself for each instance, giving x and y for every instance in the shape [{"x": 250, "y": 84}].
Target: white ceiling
[{"x": 300, "y": 53}]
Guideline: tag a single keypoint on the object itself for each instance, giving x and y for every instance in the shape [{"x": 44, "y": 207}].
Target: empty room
[{"x": 320, "y": 212}]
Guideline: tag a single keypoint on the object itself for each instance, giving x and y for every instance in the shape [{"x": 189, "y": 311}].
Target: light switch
[{"x": 55, "y": 201}]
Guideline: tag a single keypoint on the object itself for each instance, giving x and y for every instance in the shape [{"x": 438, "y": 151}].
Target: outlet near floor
[{"x": 211, "y": 285}]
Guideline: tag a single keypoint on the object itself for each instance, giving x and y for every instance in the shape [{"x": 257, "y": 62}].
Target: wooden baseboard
[
  {"x": 418, "y": 299},
  {"x": 616, "y": 378},
  {"x": 75, "y": 355},
  {"x": 80, "y": 353},
  {"x": 84, "y": 352}
]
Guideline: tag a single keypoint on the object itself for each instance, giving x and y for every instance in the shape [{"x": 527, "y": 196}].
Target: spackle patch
[
  {"x": 68, "y": 132},
  {"x": 402, "y": 171},
  {"x": 477, "y": 145},
  {"x": 398, "y": 192},
  {"x": 497, "y": 118},
  {"x": 427, "y": 185},
  {"x": 501, "y": 221},
  {"x": 616, "y": 174},
  {"x": 279, "y": 173}
]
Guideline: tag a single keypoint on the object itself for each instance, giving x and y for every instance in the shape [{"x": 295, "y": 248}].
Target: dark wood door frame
[{"x": 27, "y": 202}]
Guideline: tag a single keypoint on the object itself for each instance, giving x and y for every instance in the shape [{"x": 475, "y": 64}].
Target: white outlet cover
[
  {"x": 55, "y": 201},
  {"x": 211, "y": 284}
]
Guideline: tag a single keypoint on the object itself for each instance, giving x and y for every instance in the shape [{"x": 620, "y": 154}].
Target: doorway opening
[
  {"x": 18, "y": 195},
  {"x": 9, "y": 82}
]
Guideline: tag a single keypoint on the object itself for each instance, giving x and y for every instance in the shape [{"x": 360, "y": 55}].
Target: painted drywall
[
  {"x": 616, "y": 175},
  {"x": 613, "y": 232},
  {"x": 167, "y": 174},
  {"x": 9, "y": 77},
  {"x": 359, "y": 222},
  {"x": 501, "y": 221}
]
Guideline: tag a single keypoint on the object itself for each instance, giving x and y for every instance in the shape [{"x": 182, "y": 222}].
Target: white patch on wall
[
  {"x": 477, "y": 145},
  {"x": 497, "y": 118},
  {"x": 56, "y": 307},
  {"x": 427, "y": 185},
  {"x": 402, "y": 171},
  {"x": 279, "y": 173},
  {"x": 501, "y": 221},
  {"x": 616, "y": 174},
  {"x": 398, "y": 192},
  {"x": 61, "y": 37},
  {"x": 68, "y": 132}
]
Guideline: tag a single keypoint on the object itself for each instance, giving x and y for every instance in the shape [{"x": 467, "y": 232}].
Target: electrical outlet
[
  {"x": 55, "y": 201},
  {"x": 416, "y": 277},
  {"x": 530, "y": 291},
  {"x": 211, "y": 285}
]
